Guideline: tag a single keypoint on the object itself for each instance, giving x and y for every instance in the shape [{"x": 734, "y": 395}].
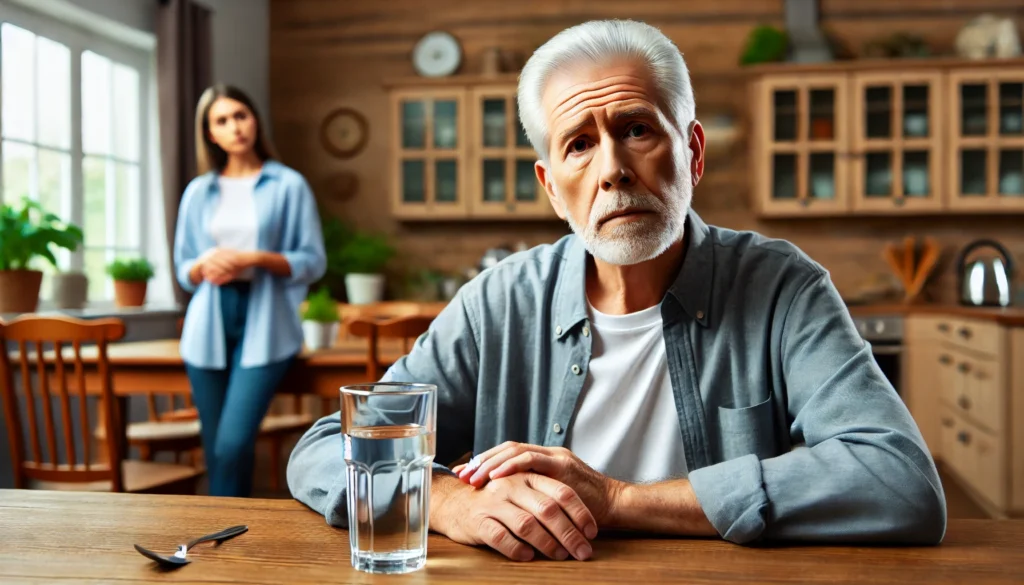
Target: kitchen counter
[{"x": 1010, "y": 316}]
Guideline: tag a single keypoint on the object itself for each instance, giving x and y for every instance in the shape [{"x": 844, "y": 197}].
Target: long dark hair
[{"x": 209, "y": 156}]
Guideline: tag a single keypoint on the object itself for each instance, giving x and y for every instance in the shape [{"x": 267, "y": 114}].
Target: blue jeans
[{"x": 233, "y": 401}]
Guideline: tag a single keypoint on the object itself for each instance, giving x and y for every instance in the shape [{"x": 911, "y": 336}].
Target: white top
[
  {"x": 234, "y": 224},
  {"x": 627, "y": 426}
]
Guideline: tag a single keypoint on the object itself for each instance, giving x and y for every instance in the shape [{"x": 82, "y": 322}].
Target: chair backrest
[
  {"x": 407, "y": 328},
  {"x": 66, "y": 338}
]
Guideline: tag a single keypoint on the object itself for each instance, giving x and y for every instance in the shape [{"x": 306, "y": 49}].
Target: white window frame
[{"x": 79, "y": 40}]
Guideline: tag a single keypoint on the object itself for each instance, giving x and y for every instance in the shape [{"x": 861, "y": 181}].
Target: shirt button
[
  {"x": 557, "y": 428},
  {"x": 576, "y": 369},
  {"x": 558, "y": 330},
  {"x": 586, "y": 331},
  {"x": 700, "y": 314}
]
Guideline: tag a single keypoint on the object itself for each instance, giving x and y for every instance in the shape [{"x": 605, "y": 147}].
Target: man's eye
[
  {"x": 637, "y": 131},
  {"x": 578, "y": 145}
]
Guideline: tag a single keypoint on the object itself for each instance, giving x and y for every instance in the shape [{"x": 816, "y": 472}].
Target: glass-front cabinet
[
  {"x": 803, "y": 145},
  {"x": 502, "y": 179},
  {"x": 986, "y": 139},
  {"x": 896, "y": 142},
  {"x": 429, "y": 166}
]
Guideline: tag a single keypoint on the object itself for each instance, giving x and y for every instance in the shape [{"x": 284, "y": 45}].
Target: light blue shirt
[{"x": 288, "y": 224}]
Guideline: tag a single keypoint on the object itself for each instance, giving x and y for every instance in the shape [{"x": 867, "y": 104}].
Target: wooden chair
[
  {"x": 66, "y": 470},
  {"x": 407, "y": 329}
]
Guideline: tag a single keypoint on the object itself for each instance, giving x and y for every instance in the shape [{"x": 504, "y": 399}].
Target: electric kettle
[{"x": 986, "y": 279}]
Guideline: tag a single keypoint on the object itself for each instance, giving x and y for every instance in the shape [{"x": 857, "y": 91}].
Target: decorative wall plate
[
  {"x": 344, "y": 133},
  {"x": 437, "y": 54}
]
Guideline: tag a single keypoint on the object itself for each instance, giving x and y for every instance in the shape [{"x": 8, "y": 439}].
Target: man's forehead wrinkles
[
  {"x": 598, "y": 103},
  {"x": 584, "y": 91}
]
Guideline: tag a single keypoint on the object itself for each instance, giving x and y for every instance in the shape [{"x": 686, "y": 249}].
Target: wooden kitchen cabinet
[
  {"x": 964, "y": 385},
  {"x": 458, "y": 151}
]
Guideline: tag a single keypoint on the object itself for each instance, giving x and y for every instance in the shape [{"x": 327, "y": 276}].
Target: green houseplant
[
  {"x": 131, "y": 277},
  {"x": 320, "y": 320},
  {"x": 29, "y": 232},
  {"x": 360, "y": 257}
]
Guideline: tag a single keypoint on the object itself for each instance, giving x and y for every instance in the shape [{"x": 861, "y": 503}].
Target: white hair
[{"x": 598, "y": 41}]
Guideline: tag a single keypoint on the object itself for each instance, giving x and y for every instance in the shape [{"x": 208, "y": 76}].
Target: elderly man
[{"x": 649, "y": 372}]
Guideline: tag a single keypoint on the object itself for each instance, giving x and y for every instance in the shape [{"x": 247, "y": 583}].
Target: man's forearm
[{"x": 668, "y": 507}]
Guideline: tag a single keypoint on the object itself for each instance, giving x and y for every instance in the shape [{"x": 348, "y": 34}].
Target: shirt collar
[
  {"x": 692, "y": 286},
  {"x": 271, "y": 169}
]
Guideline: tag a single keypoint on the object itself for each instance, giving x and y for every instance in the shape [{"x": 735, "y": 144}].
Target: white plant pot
[
  {"x": 70, "y": 290},
  {"x": 364, "y": 289},
  {"x": 319, "y": 335}
]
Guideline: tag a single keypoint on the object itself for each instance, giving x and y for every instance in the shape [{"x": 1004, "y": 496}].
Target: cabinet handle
[
  {"x": 964, "y": 402},
  {"x": 964, "y": 332},
  {"x": 945, "y": 360},
  {"x": 964, "y": 367},
  {"x": 947, "y": 422},
  {"x": 944, "y": 327},
  {"x": 963, "y": 437}
]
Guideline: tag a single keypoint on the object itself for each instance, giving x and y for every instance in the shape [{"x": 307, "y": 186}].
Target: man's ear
[
  {"x": 545, "y": 179},
  {"x": 697, "y": 149}
]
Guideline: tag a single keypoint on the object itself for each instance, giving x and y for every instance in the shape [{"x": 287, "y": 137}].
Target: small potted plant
[
  {"x": 320, "y": 320},
  {"x": 131, "y": 277},
  {"x": 26, "y": 233},
  {"x": 363, "y": 256}
]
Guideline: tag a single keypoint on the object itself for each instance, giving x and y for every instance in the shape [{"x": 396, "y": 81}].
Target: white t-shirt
[
  {"x": 234, "y": 224},
  {"x": 627, "y": 426}
]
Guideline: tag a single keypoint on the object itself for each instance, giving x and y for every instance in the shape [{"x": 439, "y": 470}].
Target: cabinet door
[
  {"x": 504, "y": 184},
  {"x": 802, "y": 146},
  {"x": 896, "y": 155},
  {"x": 922, "y": 389},
  {"x": 987, "y": 140},
  {"x": 429, "y": 154}
]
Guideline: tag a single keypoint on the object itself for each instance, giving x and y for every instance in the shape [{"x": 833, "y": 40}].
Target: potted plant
[
  {"x": 27, "y": 233},
  {"x": 320, "y": 320},
  {"x": 363, "y": 256},
  {"x": 130, "y": 279}
]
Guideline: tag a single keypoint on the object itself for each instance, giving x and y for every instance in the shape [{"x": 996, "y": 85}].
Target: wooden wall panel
[{"x": 326, "y": 54}]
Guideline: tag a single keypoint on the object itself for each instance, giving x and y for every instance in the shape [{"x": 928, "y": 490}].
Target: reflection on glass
[
  {"x": 878, "y": 174},
  {"x": 915, "y": 173},
  {"x": 1011, "y": 172},
  {"x": 445, "y": 126},
  {"x": 414, "y": 124},
  {"x": 973, "y": 172},
  {"x": 521, "y": 139},
  {"x": 1011, "y": 108},
  {"x": 785, "y": 115},
  {"x": 494, "y": 123},
  {"x": 973, "y": 104},
  {"x": 413, "y": 182},
  {"x": 822, "y": 179},
  {"x": 822, "y": 114},
  {"x": 526, "y": 181},
  {"x": 494, "y": 180},
  {"x": 878, "y": 109},
  {"x": 784, "y": 176},
  {"x": 915, "y": 111},
  {"x": 445, "y": 181}
]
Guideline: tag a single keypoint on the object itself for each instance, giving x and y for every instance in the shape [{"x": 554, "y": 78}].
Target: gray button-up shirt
[{"x": 790, "y": 429}]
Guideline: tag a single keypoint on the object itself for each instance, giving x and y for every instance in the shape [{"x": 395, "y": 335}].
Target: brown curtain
[{"x": 184, "y": 70}]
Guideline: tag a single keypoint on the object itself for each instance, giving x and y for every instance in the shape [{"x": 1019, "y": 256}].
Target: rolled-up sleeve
[
  {"x": 304, "y": 242},
  {"x": 862, "y": 474},
  {"x": 447, "y": 356}
]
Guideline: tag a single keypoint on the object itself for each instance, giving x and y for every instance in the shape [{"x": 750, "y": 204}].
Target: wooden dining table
[{"x": 67, "y": 537}]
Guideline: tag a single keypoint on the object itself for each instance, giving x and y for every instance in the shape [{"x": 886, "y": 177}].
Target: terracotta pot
[
  {"x": 128, "y": 293},
  {"x": 19, "y": 290}
]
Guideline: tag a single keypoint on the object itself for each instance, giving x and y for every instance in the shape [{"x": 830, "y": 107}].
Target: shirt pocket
[{"x": 748, "y": 430}]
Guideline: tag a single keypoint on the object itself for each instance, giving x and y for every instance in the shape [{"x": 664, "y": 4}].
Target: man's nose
[{"x": 615, "y": 172}]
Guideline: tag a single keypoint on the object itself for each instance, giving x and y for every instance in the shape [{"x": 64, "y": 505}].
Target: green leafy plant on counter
[
  {"x": 363, "y": 253},
  {"x": 320, "y": 307},
  {"x": 29, "y": 232},
  {"x": 130, "y": 270},
  {"x": 765, "y": 44}
]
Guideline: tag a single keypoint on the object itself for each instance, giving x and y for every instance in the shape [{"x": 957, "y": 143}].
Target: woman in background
[{"x": 247, "y": 244}]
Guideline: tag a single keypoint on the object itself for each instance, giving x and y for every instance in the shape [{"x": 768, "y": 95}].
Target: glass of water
[{"x": 388, "y": 429}]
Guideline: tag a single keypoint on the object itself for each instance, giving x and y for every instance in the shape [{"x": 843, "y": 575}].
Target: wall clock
[
  {"x": 344, "y": 133},
  {"x": 436, "y": 54}
]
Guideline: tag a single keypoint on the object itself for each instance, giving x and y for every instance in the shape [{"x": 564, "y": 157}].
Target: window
[{"x": 73, "y": 138}]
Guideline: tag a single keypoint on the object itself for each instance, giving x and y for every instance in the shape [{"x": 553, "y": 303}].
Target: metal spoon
[{"x": 178, "y": 559}]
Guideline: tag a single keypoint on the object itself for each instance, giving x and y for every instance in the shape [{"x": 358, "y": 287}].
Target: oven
[{"x": 885, "y": 334}]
